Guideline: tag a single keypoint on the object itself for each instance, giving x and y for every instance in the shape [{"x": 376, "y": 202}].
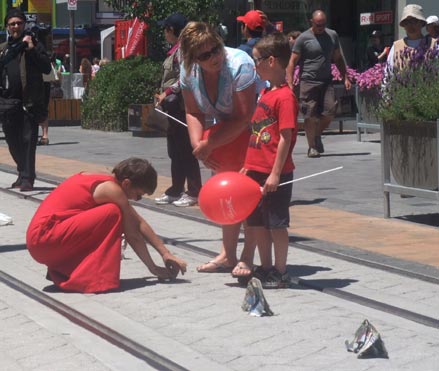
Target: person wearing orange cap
[{"x": 252, "y": 27}]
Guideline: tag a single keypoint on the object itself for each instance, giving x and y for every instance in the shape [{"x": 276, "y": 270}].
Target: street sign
[
  {"x": 366, "y": 19},
  {"x": 383, "y": 17},
  {"x": 72, "y": 4}
]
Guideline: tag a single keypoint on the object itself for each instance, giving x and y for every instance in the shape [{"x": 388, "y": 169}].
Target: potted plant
[
  {"x": 409, "y": 109},
  {"x": 134, "y": 80},
  {"x": 368, "y": 93}
]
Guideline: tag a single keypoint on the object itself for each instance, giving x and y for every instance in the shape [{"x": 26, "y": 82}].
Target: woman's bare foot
[{"x": 241, "y": 269}]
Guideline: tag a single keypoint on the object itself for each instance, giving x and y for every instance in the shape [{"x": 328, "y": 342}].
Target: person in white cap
[
  {"x": 413, "y": 21},
  {"x": 433, "y": 26}
]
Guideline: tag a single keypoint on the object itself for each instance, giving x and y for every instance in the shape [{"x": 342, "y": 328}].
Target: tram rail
[{"x": 160, "y": 362}]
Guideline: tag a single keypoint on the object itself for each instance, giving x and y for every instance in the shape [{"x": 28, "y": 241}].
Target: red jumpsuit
[{"x": 78, "y": 239}]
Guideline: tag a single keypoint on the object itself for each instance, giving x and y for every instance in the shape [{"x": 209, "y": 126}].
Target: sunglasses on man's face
[
  {"x": 12, "y": 24},
  {"x": 209, "y": 54}
]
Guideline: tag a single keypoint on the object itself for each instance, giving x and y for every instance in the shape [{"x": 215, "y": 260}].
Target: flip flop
[{"x": 217, "y": 268}]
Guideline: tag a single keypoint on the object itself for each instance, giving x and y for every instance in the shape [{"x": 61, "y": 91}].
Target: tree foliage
[
  {"x": 152, "y": 11},
  {"x": 118, "y": 84}
]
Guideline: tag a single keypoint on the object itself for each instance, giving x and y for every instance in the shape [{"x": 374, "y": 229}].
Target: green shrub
[{"x": 118, "y": 84}]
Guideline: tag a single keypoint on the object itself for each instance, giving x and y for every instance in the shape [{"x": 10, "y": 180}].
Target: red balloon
[
  {"x": 229, "y": 197},
  {"x": 230, "y": 156}
]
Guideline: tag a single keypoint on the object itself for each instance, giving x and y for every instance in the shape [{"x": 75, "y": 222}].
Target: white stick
[
  {"x": 310, "y": 176},
  {"x": 171, "y": 117}
]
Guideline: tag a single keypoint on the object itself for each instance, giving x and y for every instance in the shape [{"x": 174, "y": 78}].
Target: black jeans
[
  {"x": 21, "y": 133},
  {"x": 184, "y": 166}
]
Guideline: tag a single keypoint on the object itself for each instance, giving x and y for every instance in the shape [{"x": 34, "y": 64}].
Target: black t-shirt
[{"x": 372, "y": 55}]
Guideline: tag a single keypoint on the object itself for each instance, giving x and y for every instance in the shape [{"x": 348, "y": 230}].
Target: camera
[{"x": 31, "y": 34}]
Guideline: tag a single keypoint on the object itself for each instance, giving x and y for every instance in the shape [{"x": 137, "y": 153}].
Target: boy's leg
[
  {"x": 263, "y": 240},
  {"x": 280, "y": 243}
]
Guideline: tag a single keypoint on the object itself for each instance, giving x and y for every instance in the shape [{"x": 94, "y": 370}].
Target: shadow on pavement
[
  {"x": 59, "y": 144},
  {"x": 346, "y": 154},
  {"x": 10, "y": 248},
  {"x": 428, "y": 219},
  {"x": 126, "y": 284},
  {"x": 323, "y": 284},
  {"x": 42, "y": 190},
  {"x": 292, "y": 239},
  {"x": 305, "y": 270},
  {"x": 307, "y": 202}
]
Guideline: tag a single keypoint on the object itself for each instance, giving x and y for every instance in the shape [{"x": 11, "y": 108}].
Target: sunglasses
[
  {"x": 12, "y": 24},
  {"x": 207, "y": 55}
]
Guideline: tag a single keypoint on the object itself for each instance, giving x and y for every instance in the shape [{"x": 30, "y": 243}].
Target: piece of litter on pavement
[
  {"x": 254, "y": 300},
  {"x": 367, "y": 342},
  {"x": 5, "y": 219}
]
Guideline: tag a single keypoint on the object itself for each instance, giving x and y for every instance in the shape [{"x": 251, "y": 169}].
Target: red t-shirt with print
[{"x": 276, "y": 110}]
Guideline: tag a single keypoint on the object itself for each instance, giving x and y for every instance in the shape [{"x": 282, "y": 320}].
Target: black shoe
[
  {"x": 276, "y": 280},
  {"x": 17, "y": 183},
  {"x": 26, "y": 186},
  {"x": 260, "y": 273},
  {"x": 319, "y": 144}
]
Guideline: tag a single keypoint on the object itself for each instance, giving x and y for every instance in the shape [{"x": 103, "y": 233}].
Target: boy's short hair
[
  {"x": 139, "y": 171},
  {"x": 276, "y": 45}
]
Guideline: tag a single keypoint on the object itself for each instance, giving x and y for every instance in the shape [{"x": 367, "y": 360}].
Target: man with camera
[{"x": 22, "y": 62}]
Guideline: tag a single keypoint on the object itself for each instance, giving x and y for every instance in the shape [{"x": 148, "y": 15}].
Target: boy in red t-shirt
[{"x": 269, "y": 159}]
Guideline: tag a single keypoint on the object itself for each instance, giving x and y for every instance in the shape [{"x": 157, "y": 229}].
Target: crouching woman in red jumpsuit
[{"x": 77, "y": 229}]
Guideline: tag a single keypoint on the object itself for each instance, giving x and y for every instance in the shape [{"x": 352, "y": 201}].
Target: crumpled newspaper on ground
[
  {"x": 254, "y": 300},
  {"x": 367, "y": 342}
]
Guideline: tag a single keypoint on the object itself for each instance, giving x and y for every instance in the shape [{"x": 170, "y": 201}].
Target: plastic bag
[{"x": 367, "y": 342}]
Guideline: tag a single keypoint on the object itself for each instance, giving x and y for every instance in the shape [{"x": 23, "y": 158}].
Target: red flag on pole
[{"x": 136, "y": 39}]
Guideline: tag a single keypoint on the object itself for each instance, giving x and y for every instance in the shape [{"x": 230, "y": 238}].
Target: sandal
[
  {"x": 43, "y": 142},
  {"x": 214, "y": 267}
]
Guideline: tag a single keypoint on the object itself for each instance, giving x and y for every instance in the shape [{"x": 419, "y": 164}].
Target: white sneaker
[
  {"x": 164, "y": 199},
  {"x": 185, "y": 201}
]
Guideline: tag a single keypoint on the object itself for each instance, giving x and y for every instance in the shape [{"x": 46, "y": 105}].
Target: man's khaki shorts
[{"x": 317, "y": 99}]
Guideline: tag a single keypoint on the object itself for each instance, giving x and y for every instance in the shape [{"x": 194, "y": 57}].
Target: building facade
[{"x": 354, "y": 20}]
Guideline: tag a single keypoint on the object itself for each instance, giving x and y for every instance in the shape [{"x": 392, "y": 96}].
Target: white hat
[
  {"x": 412, "y": 11},
  {"x": 432, "y": 20}
]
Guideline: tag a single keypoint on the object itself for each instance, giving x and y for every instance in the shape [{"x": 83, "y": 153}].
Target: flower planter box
[
  {"x": 413, "y": 153},
  {"x": 144, "y": 120},
  {"x": 345, "y": 99},
  {"x": 367, "y": 105},
  {"x": 410, "y": 153},
  {"x": 64, "y": 112}
]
